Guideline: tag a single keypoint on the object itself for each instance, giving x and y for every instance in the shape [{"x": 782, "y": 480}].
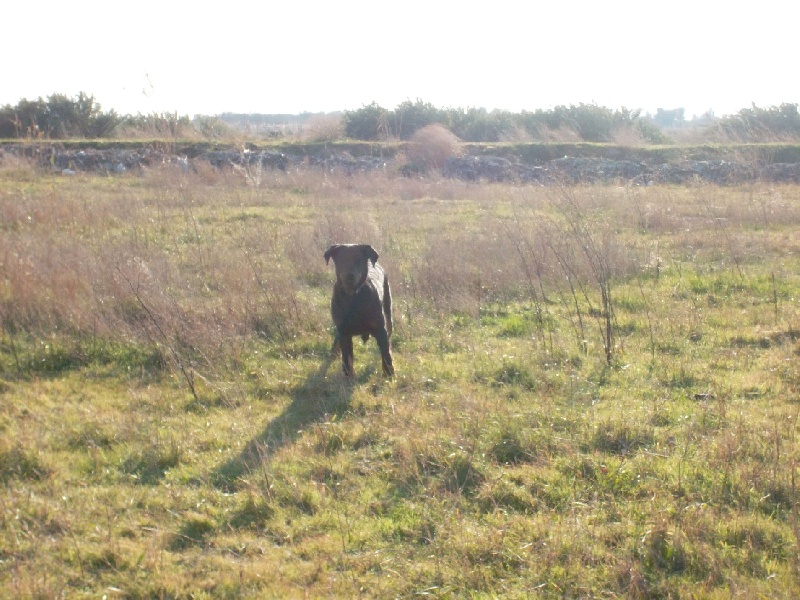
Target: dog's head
[{"x": 351, "y": 264}]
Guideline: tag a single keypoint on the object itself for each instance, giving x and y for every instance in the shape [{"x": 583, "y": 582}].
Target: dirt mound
[{"x": 486, "y": 167}]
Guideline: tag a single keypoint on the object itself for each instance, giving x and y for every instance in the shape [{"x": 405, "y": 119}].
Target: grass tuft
[
  {"x": 149, "y": 465},
  {"x": 18, "y": 463},
  {"x": 193, "y": 532},
  {"x": 620, "y": 438}
]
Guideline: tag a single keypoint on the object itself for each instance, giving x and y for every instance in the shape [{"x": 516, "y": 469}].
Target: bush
[
  {"x": 755, "y": 124},
  {"x": 212, "y": 127},
  {"x": 431, "y": 146},
  {"x": 410, "y": 117},
  {"x": 158, "y": 125},
  {"x": 57, "y": 117},
  {"x": 367, "y": 123}
]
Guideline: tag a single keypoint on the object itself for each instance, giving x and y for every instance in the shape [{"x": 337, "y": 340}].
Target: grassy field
[{"x": 597, "y": 394}]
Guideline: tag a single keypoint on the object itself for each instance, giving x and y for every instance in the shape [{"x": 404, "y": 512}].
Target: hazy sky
[{"x": 294, "y": 56}]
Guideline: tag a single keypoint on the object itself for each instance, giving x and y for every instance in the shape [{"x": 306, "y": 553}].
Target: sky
[{"x": 297, "y": 56}]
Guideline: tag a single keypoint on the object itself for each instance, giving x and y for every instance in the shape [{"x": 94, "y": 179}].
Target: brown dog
[{"x": 361, "y": 303}]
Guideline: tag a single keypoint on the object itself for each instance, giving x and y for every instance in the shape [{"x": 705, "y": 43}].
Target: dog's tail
[{"x": 387, "y": 304}]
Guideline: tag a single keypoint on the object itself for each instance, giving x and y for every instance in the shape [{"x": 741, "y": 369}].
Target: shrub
[
  {"x": 410, "y": 117},
  {"x": 761, "y": 124},
  {"x": 169, "y": 125},
  {"x": 432, "y": 146},
  {"x": 367, "y": 123},
  {"x": 57, "y": 117}
]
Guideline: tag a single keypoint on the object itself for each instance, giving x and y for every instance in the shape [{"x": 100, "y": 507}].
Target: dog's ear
[
  {"x": 370, "y": 253},
  {"x": 331, "y": 252}
]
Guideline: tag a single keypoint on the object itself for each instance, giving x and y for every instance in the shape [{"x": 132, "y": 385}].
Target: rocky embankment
[{"x": 637, "y": 169}]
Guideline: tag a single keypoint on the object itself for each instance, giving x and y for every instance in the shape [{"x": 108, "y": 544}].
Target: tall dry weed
[
  {"x": 46, "y": 287},
  {"x": 562, "y": 134},
  {"x": 463, "y": 271},
  {"x": 323, "y": 128},
  {"x": 204, "y": 267},
  {"x": 15, "y": 167}
]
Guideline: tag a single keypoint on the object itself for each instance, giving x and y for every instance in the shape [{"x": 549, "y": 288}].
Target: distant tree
[
  {"x": 57, "y": 117},
  {"x": 26, "y": 119},
  {"x": 370, "y": 122},
  {"x": 409, "y": 117},
  {"x": 756, "y": 124},
  {"x": 478, "y": 124},
  {"x": 79, "y": 117},
  {"x": 589, "y": 122},
  {"x": 594, "y": 123},
  {"x": 650, "y": 132}
]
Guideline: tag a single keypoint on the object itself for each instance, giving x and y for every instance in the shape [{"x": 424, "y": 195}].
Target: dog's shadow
[{"x": 315, "y": 400}]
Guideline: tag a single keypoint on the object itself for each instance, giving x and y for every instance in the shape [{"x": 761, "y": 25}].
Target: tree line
[
  {"x": 588, "y": 122},
  {"x": 63, "y": 117},
  {"x": 82, "y": 117},
  {"x": 57, "y": 117}
]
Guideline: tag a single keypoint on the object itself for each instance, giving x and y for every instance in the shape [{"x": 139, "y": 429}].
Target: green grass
[{"x": 165, "y": 431}]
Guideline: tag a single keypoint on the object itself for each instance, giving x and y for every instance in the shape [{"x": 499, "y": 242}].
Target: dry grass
[
  {"x": 323, "y": 128},
  {"x": 164, "y": 433}
]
